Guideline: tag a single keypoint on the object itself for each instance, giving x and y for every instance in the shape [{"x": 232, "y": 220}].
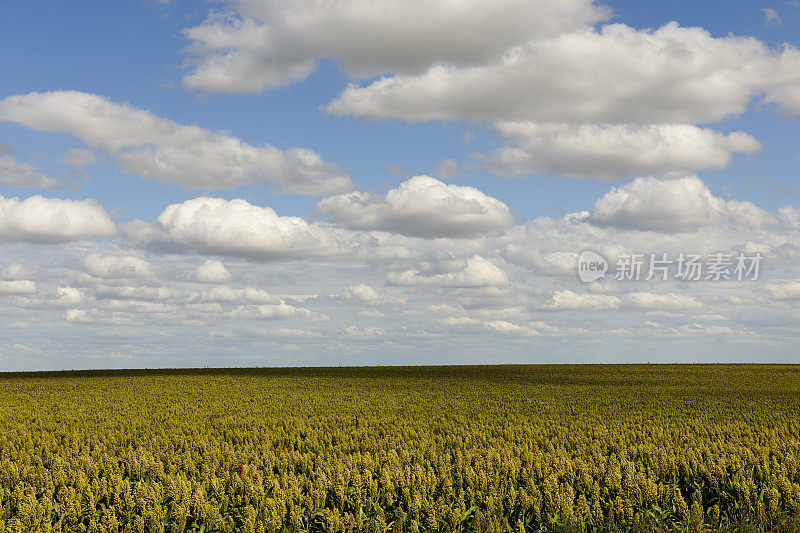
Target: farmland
[{"x": 415, "y": 449}]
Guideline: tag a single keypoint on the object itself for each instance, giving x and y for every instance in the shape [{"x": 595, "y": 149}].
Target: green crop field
[{"x": 418, "y": 449}]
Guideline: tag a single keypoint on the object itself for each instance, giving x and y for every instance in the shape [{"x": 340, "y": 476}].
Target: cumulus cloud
[
  {"x": 116, "y": 267},
  {"x": 225, "y": 294},
  {"x": 97, "y": 316},
  {"x": 784, "y": 290},
  {"x": 17, "y": 174},
  {"x": 613, "y": 151},
  {"x": 472, "y": 272},
  {"x": 51, "y": 220},
  {"x": 261, "y": 45},
  {"x": 214, "y": 226},
  {"x": 569, "y": 300},
  {"x": 22, "y": 286},
  {"x": 616, "y": 74},
  {"x": 651, "y": 300},
  {"x": 365, "y": 294},
  {"x": 159, "y": 149},
  {"x": 270, "y": 312},
  {"x": 14, "y": 272},
  {"x": 369, "y": 332},
  {"x": 551, "y": 263},
  {"x": 69, "y": 297},
  {"x": 673, "y": 206},
  {"x": 212, "y": 271},
  {"x": 421, "y": 206},
  {"x": 509, "y": 328}
]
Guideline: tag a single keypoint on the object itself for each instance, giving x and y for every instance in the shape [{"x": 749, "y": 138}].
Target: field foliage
[{"x": 415, "y": 449}]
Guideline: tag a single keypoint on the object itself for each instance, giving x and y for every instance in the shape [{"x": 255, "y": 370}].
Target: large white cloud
[
  {"x": 51, "y": 220},
  {"x": 159, "y": 149},
  {"x": 214, "y": 226},
  {"x": 613, "y": 151},
  {"x": 17, "y": 174},
  {"x": 677, "y": 205},
  {"x": 615, "y": 74},
  {"x": 421, "y": 206},
  {"x": 265, "y": 44}
]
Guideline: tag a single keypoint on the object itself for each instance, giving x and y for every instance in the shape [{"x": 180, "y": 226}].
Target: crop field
[{"x": 414, "y": 449}]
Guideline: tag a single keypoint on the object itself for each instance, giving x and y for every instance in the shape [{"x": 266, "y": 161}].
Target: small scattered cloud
[
  {"x": 116, "y": 267},
  {"x": 79, "y": 158},
  {"x": 475, "y": 271},
  {"x": 446, "y": 168},
  {"x": 17, "y": 174},
  {"x": 771, "y": 17},
  {"x": 396, "y": 170}
]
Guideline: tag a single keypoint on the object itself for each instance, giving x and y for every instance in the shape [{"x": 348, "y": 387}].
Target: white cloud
[
  {"x": 51, "y": 220},
  {"x": 225, "y": 294},
  {"x": 263, "y": 45},
  {"x": 236, "y": 228},
  {"x": 651, "y": 300},
  {"x": 503, "y": 326},
  {"x": 615, "y": 74},
  {"x": 368, "y": 332},
  {"x": 613, "y": 151},
  {"x": 473, "y": 272},
  {"x": 555, "y": 263},
  {"x": 786, "y": 90},
  {"x": 79, "y": 157},
  {"x": 69, "y": 297},
  {"x": 95, "y": 316},
  {"x": 212, "y": 271},
  {"x": 17, "y": 174},
  {"x": 784, "y": 290},
  {"x": 267, "y": 312},
  {"x": 159, "y": 149},
  {"x": 569, "y": 300},
  {"x": 421, "y": 206},
  {"x": 672, "y": 206},
  {"x": 116, "y": 267},
  {"x": 365, "y": 294},
  {"x": 446, "y": 168},
  {"x": 15, "y": 271},
  {"x": 771, "y": 16},
  {"x": 22, "y": 286}
]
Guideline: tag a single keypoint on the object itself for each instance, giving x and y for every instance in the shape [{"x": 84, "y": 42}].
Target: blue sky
[{"x": 701, "y": 136}]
